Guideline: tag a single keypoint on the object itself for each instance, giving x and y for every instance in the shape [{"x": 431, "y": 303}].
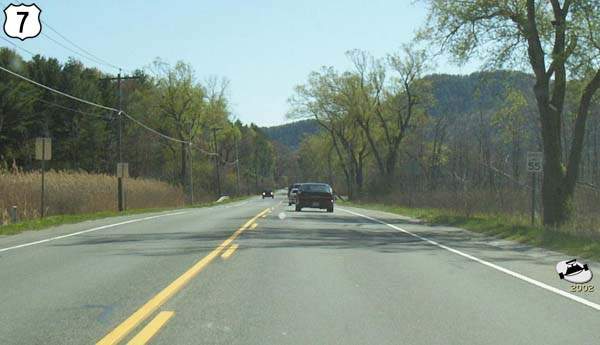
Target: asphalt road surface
[{"x": 211, "y": 276}]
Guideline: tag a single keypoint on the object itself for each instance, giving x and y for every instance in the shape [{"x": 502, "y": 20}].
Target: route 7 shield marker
[{"x": 22, "y": 21}]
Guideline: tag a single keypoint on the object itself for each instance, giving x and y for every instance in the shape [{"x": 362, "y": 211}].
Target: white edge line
[
  {"x": 487, "y": 263},
  {"x": 90, "y": 230}
]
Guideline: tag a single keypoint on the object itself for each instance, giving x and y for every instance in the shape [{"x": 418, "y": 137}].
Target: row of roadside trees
[{"x": 170, "y": 99}]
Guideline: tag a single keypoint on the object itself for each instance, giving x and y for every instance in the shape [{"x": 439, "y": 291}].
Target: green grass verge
[
  {"x": 516, "y": 229},
  {"x": 50, "y": 221}
]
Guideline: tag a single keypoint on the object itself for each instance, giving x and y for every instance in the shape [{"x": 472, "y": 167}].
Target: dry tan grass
[
  {"x": 511, "y": 203},
  {"x": 80, "y": 192}
]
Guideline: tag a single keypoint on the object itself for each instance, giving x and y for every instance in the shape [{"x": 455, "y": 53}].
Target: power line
[
  {"x": 208, "y": 153},
  {"x": 78, "y": 53},
  {"x": 121, "y": 113},
  {"x": 152, "y": 129},
  {"x": 90, "y": 56},
  {"x": 16, "y": 46},
  {"x": 79, "y": 47},
  {"x": 70, "y": 109},
  {"x": 56, "y": 91}
]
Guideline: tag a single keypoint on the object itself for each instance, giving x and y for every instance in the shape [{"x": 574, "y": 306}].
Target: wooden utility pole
[
  {"x": 43, "y": 206},
  {"x": 120, "y": 194},
  {"x": 191, "y": 175},
  {"x": 217, "y": 161},
  {"x": 120, "y": 189},
  {"x": 237, "y": 167}
]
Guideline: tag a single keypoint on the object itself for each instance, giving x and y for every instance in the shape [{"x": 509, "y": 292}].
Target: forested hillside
[
  {"x": 451, "y": 94},
  {"x": 461, "y": 94},
  {"x": 291, "y": 134}
]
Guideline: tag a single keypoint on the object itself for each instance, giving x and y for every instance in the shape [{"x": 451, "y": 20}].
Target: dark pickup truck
[{"x": 314, "y": 195}]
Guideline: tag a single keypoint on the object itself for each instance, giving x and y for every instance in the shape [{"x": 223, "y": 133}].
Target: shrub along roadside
[
  {"x": 515, "y": 229},
  {"x": 47, "y": 222}
]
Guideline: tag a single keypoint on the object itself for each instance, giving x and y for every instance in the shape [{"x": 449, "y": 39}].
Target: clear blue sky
[{"x": 263, "y": 47}]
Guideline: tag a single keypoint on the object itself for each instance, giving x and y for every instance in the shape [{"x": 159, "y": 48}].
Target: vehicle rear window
[{"x": 316, "y": 188}]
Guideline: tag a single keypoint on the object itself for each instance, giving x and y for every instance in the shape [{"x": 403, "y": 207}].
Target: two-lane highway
[{"x": 256, "y": 272}]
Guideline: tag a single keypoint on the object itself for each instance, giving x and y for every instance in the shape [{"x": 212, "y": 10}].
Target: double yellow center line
[
  {"x": 229, "y": 251},
  {"x": 122, "y": 330},
  {"x": 152, "y": 328}
]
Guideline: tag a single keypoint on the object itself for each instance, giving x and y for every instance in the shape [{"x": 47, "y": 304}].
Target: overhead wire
[
  {"x": 98, "y": 60},
  {"x": 120, "y": 112},
  {"x": 89, "y": 56},
  {"x": 17, "y": 46},
  {"x": 57, "y": 91},
  {"x": 78, "y": 53},
  {"x": 208, "y": 153},
  {"x": 106, "y": 63},
  {"x": 71, "y": 109},
  {"x": 152, "y": 129}
]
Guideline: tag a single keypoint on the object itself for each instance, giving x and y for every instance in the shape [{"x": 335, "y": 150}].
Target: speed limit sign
[{"x": 535, "y": 162}]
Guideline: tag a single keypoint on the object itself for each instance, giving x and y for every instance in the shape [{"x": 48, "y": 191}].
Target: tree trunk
[
  {"x": 556, "y": 197},
  {"x": 595, "y": 154},
  {"x": 374, "y": 147},
  {"x": 329, "y": 168},
  {"x": 345, "y": 169},
  {"x": 390, "y": 166}
]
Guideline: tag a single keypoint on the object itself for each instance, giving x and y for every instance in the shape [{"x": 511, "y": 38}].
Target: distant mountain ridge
[
  {"x": 453, "y": 95},
  {"x": 291, "y": 134}
]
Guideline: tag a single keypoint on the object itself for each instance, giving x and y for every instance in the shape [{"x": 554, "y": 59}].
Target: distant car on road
[
  {"x": 315, "y": 195},
  {"x": 267, "y": 193},
  {"x": 292, "y": 196}
]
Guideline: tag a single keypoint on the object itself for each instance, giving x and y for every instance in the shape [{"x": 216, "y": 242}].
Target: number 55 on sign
[
  {"x": 22, "y": 21},
  {"x": 535, "y": 162}
]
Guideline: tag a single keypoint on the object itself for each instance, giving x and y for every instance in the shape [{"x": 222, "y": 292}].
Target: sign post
[
  {"x": 43, "y": 152},
  {"x": 535, "y": 165},
  {"x": 122, "y": 172}
]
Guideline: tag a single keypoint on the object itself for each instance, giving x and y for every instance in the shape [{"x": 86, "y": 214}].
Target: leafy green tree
[
  {"x": 17, "y": 119},
  {"x": 179, "y": 102},
  {"x": 511, "y": 119},
  {"x": 328, "y": 98}
]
